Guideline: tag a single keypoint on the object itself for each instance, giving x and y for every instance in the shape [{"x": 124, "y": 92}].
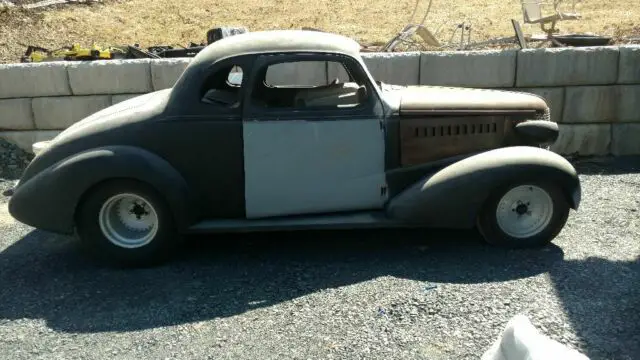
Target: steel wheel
[
  {"x": 128, "y": 221},
  {"x": 524, "y": 211},
  {"x": 522, "y": 215}
]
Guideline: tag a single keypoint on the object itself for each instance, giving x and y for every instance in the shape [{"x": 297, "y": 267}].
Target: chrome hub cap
[
  {"x": 524, "y": 211},
  {"x": 128, "y": 221}
]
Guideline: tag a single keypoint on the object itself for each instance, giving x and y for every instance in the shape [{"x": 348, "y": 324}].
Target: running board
[{"x": 363, "y": 220}]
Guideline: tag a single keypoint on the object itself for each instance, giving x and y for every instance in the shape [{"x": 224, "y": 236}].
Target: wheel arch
[
  {"x": 454, "y": 195},
  {"x": 68, "y": 181},
  {"x": 154, "y": 172}
]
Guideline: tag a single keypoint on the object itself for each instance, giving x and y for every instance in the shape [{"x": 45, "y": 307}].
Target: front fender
[
  {"x": 453, "y": 196},
  {"x": 48, "y": 200}
]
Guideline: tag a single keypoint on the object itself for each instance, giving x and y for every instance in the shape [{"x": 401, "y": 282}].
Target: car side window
[
  {"x": 307, "y": 85},
  {"x": 309, "y": 73},
  {"x": 222, "y": 88}
]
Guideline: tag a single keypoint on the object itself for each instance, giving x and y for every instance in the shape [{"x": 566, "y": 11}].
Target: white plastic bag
[{"x": 520, "y": 340}]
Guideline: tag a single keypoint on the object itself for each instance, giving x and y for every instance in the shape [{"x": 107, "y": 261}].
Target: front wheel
[
  {"x": 128, "y": 223},
  {"x": 524, "y": 215}
]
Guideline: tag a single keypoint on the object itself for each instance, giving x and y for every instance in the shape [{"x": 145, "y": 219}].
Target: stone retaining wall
[{"x": 594, "y": 92}]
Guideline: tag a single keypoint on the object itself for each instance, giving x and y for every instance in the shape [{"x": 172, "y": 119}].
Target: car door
[
  {"x": 201, "y": 136},
  {"x": 312, "y": 149}
]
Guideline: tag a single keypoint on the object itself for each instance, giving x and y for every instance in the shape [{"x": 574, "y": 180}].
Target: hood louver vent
[
  {"x": 427, "y": 139},
  {"x": 456, "y": 130}
]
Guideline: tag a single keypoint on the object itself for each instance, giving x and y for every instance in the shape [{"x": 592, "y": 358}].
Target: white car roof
[{"x": 277, "y": 41}]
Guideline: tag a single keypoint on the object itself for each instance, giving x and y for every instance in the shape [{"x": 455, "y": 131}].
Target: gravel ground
[
  {"x": 12, "y": 161},
  {"x": 334, "y": 295}
]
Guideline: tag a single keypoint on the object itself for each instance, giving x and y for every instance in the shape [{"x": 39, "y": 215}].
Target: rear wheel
[
  {"x": 524, "y": 215},
  {"x": 127, "y": 223}
]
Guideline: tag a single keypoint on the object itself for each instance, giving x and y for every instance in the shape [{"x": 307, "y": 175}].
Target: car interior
[
  {"x": 223, "y": 87},
  {"x": 277, "y": 92}
]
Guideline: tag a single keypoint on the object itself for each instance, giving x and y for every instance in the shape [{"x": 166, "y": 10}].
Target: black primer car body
[{"x": 256, "y": 156}]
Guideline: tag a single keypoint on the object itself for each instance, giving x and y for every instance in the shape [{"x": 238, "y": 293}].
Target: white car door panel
[{"x": 303, "y": 167}]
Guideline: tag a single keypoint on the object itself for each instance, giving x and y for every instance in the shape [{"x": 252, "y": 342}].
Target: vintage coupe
[{"x": 239, "y": 145}]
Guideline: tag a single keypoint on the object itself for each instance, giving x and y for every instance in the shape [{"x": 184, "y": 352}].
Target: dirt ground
[{"x": 372, "y": 22}]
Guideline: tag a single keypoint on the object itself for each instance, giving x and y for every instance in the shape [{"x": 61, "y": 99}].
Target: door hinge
[{"x": 383, "y": 191}]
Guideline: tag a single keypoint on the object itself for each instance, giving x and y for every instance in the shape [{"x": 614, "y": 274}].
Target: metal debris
[
  {"x": 76, "y": 52},
  {"x": 45, "y": 3}
]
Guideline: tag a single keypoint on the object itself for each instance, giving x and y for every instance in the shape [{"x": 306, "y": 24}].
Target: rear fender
[
  {"x": 453, "y": 196},
  {"x": 49, "y": 200}
]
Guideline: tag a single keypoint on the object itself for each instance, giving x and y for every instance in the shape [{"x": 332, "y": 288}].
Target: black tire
[
  {"x": 493, "y": 233},
  {"x": 157, "y": 251}
]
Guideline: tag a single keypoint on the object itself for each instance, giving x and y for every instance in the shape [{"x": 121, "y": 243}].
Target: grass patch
[{"x": 170, "y": 22}]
